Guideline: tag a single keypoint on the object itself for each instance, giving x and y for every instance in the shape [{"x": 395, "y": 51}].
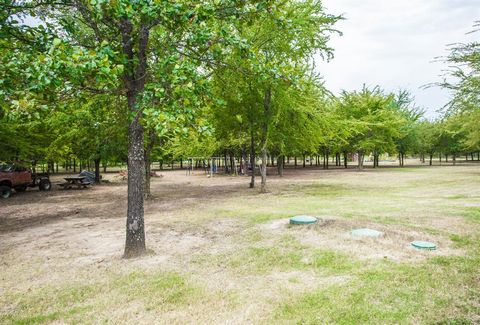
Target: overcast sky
[{"x": 392, "y": 43}]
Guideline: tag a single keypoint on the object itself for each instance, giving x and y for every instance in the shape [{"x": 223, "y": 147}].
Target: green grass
[
  {"x": 286, "y": 254},
  {"x": 472, "y": 214},
  {"x": 49, "y": 304},
  {"x": 76, "y": 303},
  {"x": 391, "y": 293},
  {"x": 254, "y": 273}
]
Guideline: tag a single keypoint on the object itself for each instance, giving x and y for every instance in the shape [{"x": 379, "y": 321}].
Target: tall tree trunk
[
  {"x": 360, "y": 160},
  {"x": 280, "y": 162},
  {"x": 454, "y": 159},
  {"x": 135, "y": 238},
  {"x": 266, "y": 110},
  {"x": 303, "y": 161},
  {"x": 263, "y": 171},
  {"x": 345, "y": 159},
  {"x": 252, "y": 159},
  {"x": 97, "y": 170},
  {"x": 225, "y": 162},
  {"x": 243, "y": 162},
  {"x": 431, "y": 159}
]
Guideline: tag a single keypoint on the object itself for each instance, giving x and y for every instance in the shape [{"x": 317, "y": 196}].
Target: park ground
[{"x": 222, "y": 253}]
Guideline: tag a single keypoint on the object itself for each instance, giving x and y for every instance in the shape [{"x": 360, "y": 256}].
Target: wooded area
[
  {"x": 99, "y": 82},
  {"x": 233, "y": 181}
]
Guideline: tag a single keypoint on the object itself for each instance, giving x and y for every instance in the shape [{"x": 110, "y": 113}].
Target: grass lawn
[{"x": 222, "y": 253}]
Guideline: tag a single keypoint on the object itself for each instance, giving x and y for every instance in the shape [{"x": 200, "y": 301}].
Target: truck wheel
[
  {"x": 44, "y": 185},
  {"x": 22, "y": 188},
  {"x": 5, "y": 191}
]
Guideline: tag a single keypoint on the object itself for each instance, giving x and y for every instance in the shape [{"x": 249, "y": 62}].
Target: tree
[
  {"x": 105, "y": 47},
  {"x": 428, "y": 134},
  {"x": 278, "y": 51},
  {"x": 463, "y": 80},
  {"x": 372, "y": 122}
]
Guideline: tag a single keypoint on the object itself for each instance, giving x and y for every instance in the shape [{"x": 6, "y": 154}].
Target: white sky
[{"x": 392, "y": 43}]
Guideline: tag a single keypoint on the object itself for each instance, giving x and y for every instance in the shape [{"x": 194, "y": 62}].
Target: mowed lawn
[{"x": 222, "y": 253}]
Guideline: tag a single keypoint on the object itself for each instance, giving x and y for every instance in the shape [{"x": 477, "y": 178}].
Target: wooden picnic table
[{"x": 78, "y": 181}]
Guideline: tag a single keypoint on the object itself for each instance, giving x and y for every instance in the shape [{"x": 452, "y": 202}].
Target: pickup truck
[{"x": 13, "y": 176}]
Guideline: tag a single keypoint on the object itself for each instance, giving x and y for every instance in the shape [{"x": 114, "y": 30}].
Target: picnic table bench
[{"x": 78, "y": 181}]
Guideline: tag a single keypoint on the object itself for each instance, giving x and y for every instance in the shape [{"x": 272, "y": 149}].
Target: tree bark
[
  {"x": 252, "y": 159},
  {"x": 431, "y": 159},
  {"x": 280, "y": 163},
  {"x": 263, "y": 171},
  {"x": 225, "y": 162},
  {"x": 345, "y": 160},
  {"x": 135, "y": 238},
  {"x": 134, "y": 82},
  {"x": 360, "y": 160},
  {"x": 266, "y": 110},
  {"x": 97, "y": 170}
]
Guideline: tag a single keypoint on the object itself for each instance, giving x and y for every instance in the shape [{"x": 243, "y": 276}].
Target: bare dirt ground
[{"x": 71, "y": 236}]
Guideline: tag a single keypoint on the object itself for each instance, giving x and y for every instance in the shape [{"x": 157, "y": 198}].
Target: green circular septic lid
[
  {"x": 423, "y": 245},
  {"x": 365, "y": 232},
  {"x": 303, "y": 220}
]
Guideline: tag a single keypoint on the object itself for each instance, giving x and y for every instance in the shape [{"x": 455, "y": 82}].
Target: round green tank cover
[
  {"x": 303, "y": 220},
  {"x": 423, "y": 245}
]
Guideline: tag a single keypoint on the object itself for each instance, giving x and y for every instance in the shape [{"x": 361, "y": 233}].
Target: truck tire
[
  {"x": 21, "y": 188},
  {"x": 5, "y": 191},
  {"x": 45, "y": 185}
]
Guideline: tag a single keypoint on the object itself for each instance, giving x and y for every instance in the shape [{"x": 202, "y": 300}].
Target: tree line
[{"x": 143, "y": 81}]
